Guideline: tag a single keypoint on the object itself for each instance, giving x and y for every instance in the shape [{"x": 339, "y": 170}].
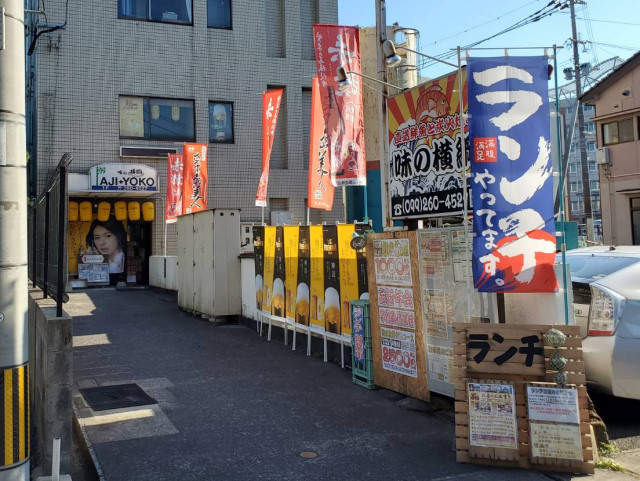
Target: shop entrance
[
  {"x": 109, "y": 241},
  {"x": 138, "y": 252}
]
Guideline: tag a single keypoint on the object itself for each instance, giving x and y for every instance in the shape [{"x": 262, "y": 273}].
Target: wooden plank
[
  {"x": 506, "y": 368},
  {"x": 570, "y": 331},
  {"x": 415, "y": 387}
]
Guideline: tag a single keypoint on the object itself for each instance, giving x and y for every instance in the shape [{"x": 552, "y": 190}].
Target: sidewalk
[{"x": 232, "y": 406}]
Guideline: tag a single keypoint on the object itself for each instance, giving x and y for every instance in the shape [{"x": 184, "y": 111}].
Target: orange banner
[
  {"x": 320, "y": 191},
  {"x": 175, "y": 178},
  {"x": 194, "y": 192},
  {"x": 336, "y": 46},
  {"x": 270, "y": 109}
]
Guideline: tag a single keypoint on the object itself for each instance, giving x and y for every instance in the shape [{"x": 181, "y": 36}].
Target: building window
[
  {"x": 575, "y": 187},
  {"x": 593, "y": 167},
  {"x": 221, "y": 122},
  {"x": 276, "y": 25},
  {"x": 594, "y": 185},
  {"x": 573, "y": 168},
  {"x": 157, "y": 118},
  {"x": 635, "y": 220},
  {"x": 219, "y": 14},
  {"x": 617, "y": 132},
  {"x": 576, "y": 206},
  {"x": 172, "y": 11},
  {"x": 588, "y": 108},
  {"x": 591, "y": 146},
  {"x": 595, "y": 205},
  {"x": 590, "y": 127},
  {"x": 309, "y": 14}
]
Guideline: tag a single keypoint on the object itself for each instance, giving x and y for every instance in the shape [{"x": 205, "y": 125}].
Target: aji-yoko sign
[{"x": 124, "y": 177}]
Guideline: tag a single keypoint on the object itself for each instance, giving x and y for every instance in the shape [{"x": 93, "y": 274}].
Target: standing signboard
[
  {"x": 425, "y": 150},
  {"x": 397, "y": 339},
  {"x": 512, "y": 409}
]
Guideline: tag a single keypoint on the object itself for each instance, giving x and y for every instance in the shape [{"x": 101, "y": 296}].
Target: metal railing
[{"x": 48, "y": 237}]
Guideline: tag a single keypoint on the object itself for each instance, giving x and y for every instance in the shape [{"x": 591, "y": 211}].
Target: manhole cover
[
  {"x": 118, "y": 396},
  {"x": 308, "y": 454}
]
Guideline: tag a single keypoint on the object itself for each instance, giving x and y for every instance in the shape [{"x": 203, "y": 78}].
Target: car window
[{"x": 596, "y": 267}]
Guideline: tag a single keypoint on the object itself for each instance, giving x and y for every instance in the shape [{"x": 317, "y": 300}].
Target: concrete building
[
  {"x": 616, "y": 99},
  {"x": 189, "y": 71}
]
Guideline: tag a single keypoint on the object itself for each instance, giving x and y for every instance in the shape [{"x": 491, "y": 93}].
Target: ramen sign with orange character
[{"x": 425, "y": 150}]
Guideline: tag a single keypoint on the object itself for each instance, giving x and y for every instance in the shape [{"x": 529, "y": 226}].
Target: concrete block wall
[
  {"x": 51, "y": 382},
  {"x": 83, "y": 69}
]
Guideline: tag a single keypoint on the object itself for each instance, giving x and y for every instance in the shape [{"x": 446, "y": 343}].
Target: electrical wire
[
  {"x": 551, "y": 8},
  {"x": 37, "y": 33}
]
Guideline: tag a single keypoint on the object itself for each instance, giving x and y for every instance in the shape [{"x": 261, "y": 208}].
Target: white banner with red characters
[
  {"x": 175, "y": 172},
  {"x": 320, "y": 190},
  {"x": 336, "y": 46},
  {"x": 270, "y": 109},
  {"x": 194, "y": 192}
]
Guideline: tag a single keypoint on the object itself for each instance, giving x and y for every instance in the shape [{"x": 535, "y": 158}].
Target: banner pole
[
  {"x": 563, "y": 245},
  {"x": 308, "y": 216},
  {"x": 344, "y": 202},
  {"x": 366, "y": 208},
  {"x": 465, "y": 199},
  {"x": 164, "y": 228},
  {"x": 262, "y": 208}
]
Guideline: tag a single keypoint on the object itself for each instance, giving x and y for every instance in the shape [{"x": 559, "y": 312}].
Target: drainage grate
[{"x": 119, "y": 396}]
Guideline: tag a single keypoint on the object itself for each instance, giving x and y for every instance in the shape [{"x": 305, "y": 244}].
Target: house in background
[{"x": 617, "y": 116}]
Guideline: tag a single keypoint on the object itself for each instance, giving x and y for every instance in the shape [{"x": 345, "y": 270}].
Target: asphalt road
[{"x": 622, "y": 418}]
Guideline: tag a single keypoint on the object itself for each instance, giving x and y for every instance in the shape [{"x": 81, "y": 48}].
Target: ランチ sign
[{"x": 124, "y": 177}]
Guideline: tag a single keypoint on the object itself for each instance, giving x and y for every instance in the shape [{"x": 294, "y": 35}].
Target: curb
[{"x": 86, "y": 447}]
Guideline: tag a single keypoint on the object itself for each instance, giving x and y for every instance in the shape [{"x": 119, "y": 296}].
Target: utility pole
[
  {"x": 584, "y": 164},
  {"x": 381, "y": 36},
  {"x": 14, "y": 356}
]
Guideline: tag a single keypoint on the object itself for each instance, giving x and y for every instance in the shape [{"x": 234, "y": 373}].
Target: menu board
[
  {"x": 94, "y": 273},
  {"x": 548, "y": 403},
  {"x": 556, "y": 441}
]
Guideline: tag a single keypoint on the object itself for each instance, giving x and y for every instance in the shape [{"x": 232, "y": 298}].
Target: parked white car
[{"x": 606, "y": 295}]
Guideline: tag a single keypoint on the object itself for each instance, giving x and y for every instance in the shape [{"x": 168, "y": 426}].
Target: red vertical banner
[
  {"x": 337, "y": 46},
  {"x": 270, "y": 109},
  {"x": 175, "y": 172},
  {"x": 194, "y": 192},
  {"x": 320, "y": 191}
]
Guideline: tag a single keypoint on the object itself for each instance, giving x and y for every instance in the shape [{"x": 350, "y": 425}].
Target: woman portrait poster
[{"x": 108, "y": 238}]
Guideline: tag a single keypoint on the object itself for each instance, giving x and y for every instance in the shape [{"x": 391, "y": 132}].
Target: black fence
[{"x": 48, "y": 237}]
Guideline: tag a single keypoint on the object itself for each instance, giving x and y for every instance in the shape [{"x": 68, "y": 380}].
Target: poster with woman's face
[{"x": 108, "y": 238}]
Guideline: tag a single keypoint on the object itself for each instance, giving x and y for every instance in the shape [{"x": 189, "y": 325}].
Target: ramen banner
[
  {"x": 425, "y": 150},
  {"x": 512, "y": 175},
  {"x": 194, "y": 187},
  {"x": 310, "y": 274}
]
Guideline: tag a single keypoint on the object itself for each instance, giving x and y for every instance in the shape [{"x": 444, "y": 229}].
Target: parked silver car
[{"x": 606, "y": 292}]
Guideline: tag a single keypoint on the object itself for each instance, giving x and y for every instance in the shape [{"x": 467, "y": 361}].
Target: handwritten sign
[{"x": 556, "y": 441}]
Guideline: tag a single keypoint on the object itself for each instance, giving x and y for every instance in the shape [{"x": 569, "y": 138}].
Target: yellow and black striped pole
[
  {"x": 14, "y": 351},
  {"x": 14, "y": 416}
]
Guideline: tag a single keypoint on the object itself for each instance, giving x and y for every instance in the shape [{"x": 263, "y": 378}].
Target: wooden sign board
[
  {"x": 397, "y": 332},
  {"x": 509, "y": 412}
]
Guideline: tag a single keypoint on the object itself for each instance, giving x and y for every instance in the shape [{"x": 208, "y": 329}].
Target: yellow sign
[
  {"x": 317, "y": 275},
  {"x": 291, "y": 237},
  {"x": 269, "y": 263}
]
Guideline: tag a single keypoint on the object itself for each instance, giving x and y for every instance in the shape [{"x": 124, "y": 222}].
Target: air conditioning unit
[{"x": 602, "y": 156}]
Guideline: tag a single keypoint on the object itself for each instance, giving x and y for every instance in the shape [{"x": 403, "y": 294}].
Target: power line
[{"x": 610, "y": 21}]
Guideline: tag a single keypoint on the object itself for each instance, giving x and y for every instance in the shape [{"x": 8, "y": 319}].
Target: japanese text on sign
[{"x": 399, "y": 352}]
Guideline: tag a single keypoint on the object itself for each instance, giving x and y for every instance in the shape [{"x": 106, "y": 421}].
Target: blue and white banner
[{"x": 512, "y": 175}]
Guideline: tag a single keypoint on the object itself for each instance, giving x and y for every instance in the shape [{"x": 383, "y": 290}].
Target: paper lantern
[
  {"x": 104, "y": 211},
  {"x": 120, "y": 209},
  {"x": 134, "y": 210},
  {"x": 175, "y": 113},
  {"x": 86, "y": 211},
  {"x": 155, "y": 112},
  {"x": 148, "y": 211},
  {"x": 73, "y": 211}
]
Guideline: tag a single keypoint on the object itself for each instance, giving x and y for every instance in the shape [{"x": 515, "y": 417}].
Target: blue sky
[{"x": 609, "y": 27}]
